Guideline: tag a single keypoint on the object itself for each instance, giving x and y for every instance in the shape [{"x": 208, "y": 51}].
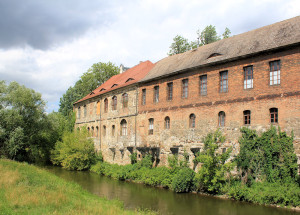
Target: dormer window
[
  {"x": 92, "y": 93},
  {"x": 214, "y": 55},
  {"x": 129, "y": 79},
  {"x": 114, "y": 85},
  {"x": 102, "y": 89}
]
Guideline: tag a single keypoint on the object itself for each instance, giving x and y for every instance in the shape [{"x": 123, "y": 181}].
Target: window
[
  {"x": 93, "y": 131},
  {"x": 123, "y": 127},
  {"x": 97, "y": 131},
  {"x": 114, "y": 102},
  {"x": 88, "y": 130},
  {"x": 203, "y": 85},
  {"x": 125, "y": 100},
  {"x": 143, "y": 96},
  {"x": 151, "y": 124},
  {"x": 84, "y": 110},
  {"x": 221, "y": 118},
  {"x": 170, "y": 91},
  {"x": 78, "y": 113},
  {"x": 248, "y": 77},
  {"x": 247, "y": 117},
  {"x": 275, "y": 72},
  {"x": 185, "y": 83},
  {"x": 98, "y": 108},
  {"x": 104, "y": 130},
  {"x": 167, "y": 122},
  {"x": 224, "y": 81},
  {"x": 105, "y": 105},
  {"x": 113, "y": 129},
  {"x": 156, "y": 94},
  {"x": 274, "y": 115},
  {"x": 192, "y": 122}
]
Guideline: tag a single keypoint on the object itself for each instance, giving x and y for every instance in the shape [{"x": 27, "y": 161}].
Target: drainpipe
[
  {"x": 136, "y": 113},
  {"x": 100, "y": 124}
]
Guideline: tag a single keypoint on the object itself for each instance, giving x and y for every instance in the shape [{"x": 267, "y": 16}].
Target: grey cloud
[{"x": 41, "y": 24}]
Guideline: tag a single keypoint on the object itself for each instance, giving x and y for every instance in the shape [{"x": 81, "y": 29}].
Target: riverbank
[
  {"x": 263, "y": 193},
  {"x": 26, "y": 189}
]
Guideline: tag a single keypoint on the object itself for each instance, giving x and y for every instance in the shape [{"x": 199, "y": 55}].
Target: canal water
[{"x": 161, "y": 200}]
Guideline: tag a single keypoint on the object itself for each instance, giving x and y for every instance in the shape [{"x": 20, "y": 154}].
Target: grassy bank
[{"x": 26, "y": 189}]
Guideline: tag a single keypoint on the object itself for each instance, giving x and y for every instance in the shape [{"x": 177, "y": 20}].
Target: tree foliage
[
  {"x": 214, "y": 166},
  {"x": 269, "y": 157},
  {"x": 26, "y": 132},
  {"x": 90, "y": 80},
  {"x": 75, "y": 152},
  {"x": 205, "y": 36}
]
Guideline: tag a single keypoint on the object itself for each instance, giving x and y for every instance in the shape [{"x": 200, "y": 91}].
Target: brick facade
[{"x": 170, "y": 121}]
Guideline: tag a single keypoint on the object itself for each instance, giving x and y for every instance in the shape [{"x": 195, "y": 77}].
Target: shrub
[
  {"x": 75, "y": 151},
  {"x": 212, "y": 174},
  {"x": 183, "y": 181},
  {"x": 269, "y": 156},
  {"x": 147, "y": 161},
  {"x": 133, "y": 158}
]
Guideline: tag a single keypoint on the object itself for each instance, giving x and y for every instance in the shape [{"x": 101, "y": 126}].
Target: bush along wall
[{"x": 267, "y": 170}]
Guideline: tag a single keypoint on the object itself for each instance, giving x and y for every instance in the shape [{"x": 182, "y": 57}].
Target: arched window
[
  {"x": 84, "y": 110},
  {"x": 98, "y": 108},
  {"x": 97, "y": 131},
  {"x": 167, "y": 122},
  {"x": 78, "y": 113},
  {"x": 93, "y": 131},
  {"x": 88, "y": 129},
  {"x": 151, "y": 126},
  {"x": 113, "y": 128},
  {"x": 105, "y": 105},
  {"x": 192, "y": 122},
  {"x": 123, "y": 127},
  {"x": 104, "y": 130},
  {"x": 274, "y": 115},
  {"x": 221, "y": 118},
  {"x": 114, "y": 102},
  {"x": 247, "y": 117},
  {"x": 125, "y": 100}
]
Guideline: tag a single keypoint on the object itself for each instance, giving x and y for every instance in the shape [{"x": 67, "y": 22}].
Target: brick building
[{"x": 251, "y": 79}]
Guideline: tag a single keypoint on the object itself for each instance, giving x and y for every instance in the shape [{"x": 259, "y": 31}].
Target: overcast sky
[{"x": 48, "y": 44}]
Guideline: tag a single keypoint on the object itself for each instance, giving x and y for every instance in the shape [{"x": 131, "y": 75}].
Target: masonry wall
[{"x": 259, "y": 100}]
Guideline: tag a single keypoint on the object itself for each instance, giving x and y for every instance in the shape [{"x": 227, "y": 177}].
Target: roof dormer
[
  {"x": 214, "y": 55},
  {"x": 129, "y": 79}
]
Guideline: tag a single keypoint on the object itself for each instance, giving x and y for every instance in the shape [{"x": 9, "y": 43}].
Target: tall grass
[{"x": 26, "y": 189}]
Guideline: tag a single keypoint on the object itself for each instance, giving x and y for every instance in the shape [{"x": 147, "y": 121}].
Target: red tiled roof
[{"x": 126, "y": 78}]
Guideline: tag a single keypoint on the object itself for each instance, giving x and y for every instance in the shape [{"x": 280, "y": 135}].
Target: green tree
[
  {"x": 90, "y": 80},
  {"x": 180, "y": 45},
  {"x": 24, "y": 127},
  {"x": 208, "y": 35},
  {"x": 214, "y": 166},
  {"x": 226, "y": 33}
]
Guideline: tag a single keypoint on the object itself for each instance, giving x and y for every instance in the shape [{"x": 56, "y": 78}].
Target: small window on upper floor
[
  {"x": 93, "y": 131},
  {"x": 84, "y": 110},
  {"x": 224, "y": 81},
  {"x": 104, "y": 130},
  {"x": 192, "y": 121},
  {"x": 105, "y": 105},
  {"x": 97, "y": 131},
  {"x": 151, "y": 126},
  {"x": 275, "y": 72},
  {"x": 143, "y": 96},
  {"x": 170, "y": 91},
  {"x": 78, "y": 113},
  {"x": 156, "y": 94},
  {"x": 248, "y": 77},
  {"x": 274, "y": 115},
  {"x": 125, "y": 100},
  {"x": 167, "y": 122},
  {"x": 247, "y": 117},
  {"x": 185, "y": 88},
  {"x": 114, "y": 103},
  {"x": 203, "y": 85},
  {"x": 221, "y": 118}
]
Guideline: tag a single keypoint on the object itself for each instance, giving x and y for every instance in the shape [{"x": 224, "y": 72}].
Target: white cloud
[{"x": 140, "y": 30}]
